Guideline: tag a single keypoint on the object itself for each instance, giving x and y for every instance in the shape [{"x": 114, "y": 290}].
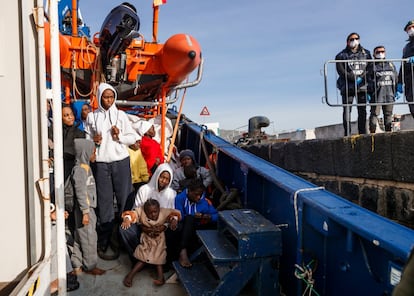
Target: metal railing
[{"x": 333, "y": 95}]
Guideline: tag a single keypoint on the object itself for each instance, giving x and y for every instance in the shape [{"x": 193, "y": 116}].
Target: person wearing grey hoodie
[
  {"x": 187, "y": 159},
  {"x": 84, "y": 256},
  {"x": 112, "y": 133}
]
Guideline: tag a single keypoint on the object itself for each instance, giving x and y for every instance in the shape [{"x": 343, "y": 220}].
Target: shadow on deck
[{"x": 111, "y": 282}]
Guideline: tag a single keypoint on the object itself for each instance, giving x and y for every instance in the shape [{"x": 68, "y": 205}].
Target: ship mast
[
  {"x": 155, "y": 23},
  {"x": 75, "y": 18}
]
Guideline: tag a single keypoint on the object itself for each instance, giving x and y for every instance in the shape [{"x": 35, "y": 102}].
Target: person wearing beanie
[
  {"x": 187, "y": 159},
  {"x": 150, "y": 149},
  {"x": 111, "y": 131},
  {"x": 353, "y": 82},
  {"x": 405, "y": 76}
]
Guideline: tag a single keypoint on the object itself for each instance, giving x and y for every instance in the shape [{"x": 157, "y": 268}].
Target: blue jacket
[{"x": 186, "y": 207}]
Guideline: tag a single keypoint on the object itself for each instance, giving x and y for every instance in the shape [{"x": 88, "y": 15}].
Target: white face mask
[
  {"x": 380, "y": 56},
  {"x": 410, "y": 32},
  {"x": 353, "y": 43}
]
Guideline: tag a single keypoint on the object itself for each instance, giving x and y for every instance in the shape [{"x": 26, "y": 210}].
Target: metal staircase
[{"x": 244, "y": 250}]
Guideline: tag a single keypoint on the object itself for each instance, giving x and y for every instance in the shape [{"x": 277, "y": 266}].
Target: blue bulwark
[{"x": 244, "y": 249}]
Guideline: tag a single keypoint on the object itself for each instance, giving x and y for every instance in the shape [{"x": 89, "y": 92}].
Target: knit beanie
[
  {"x": 187, "y": 152},
  {"x": 408, "y": 24}
]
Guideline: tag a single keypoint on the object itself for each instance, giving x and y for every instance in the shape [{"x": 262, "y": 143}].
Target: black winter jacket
[{"x": 348, "y": 72}]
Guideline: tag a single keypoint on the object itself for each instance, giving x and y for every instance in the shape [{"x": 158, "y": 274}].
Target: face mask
[
  {"x": 380, "y": 56},
  {"x": 410, "y": 32},
  {"x": 353, "y": 43}
]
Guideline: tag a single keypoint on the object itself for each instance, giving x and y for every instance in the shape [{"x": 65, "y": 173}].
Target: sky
[{"x": 266, "y": 57}]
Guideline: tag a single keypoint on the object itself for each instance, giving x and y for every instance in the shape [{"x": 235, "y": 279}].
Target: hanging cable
[{"x": 305, "y": 273}]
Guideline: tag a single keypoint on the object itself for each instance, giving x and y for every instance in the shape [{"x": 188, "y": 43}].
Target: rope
[
  {"x": 367, "y": 264},
  {"x": 295, "y": 197},
  {"x": 305, "y": 274},
  {"x": 210, "y": 164},
  {"x": 90, "y": 62},
  {"x": 177, "y": 121}
]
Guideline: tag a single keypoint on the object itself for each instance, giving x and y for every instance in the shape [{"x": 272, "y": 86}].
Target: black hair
[
  {"x": 190, "y": 171},
  {"x": 87, "y": 104},
  {"x": 66, "y": 105},
  {"x": 379, "y": 46},
  {"x": 150, "y": 203},
  {"x": 349, "y": 36},
  {"x": 195, "y": 184}
]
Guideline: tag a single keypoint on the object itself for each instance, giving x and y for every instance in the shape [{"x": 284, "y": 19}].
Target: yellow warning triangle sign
[{"x": 204, "y": 111}]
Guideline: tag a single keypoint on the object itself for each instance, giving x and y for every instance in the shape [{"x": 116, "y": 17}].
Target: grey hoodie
[
  {"x": 202, "y": 172},
  {"x": 83, "y": 180}
]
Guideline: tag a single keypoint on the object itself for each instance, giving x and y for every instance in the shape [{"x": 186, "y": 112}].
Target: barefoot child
[
  {"x": 152, "y": 247},
  {"x": 197, "y": 213}
]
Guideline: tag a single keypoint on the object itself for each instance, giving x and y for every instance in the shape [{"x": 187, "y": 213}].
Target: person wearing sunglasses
[
  {"x": 354, "y": 79},
  {"x": 385, "y": 81}
]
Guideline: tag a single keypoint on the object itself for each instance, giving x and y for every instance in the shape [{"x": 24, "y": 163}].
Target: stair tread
[
  {"x": 245, "y": 222},
  {"x": 197, "y": 280},
  {"x": 218, "y": 247}
]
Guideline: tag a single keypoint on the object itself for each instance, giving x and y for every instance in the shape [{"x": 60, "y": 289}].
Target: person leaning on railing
[{"x": 405, "y": 77}]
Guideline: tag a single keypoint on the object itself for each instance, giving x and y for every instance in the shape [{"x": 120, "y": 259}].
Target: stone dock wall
[{"x": 375, "y": 171}]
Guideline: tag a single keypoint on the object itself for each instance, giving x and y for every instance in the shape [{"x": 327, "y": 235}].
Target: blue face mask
[{"x": 380, "y": 56}]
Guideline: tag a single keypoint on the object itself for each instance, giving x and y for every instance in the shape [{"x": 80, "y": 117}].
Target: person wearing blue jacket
[{"x": 197, "y": 212}]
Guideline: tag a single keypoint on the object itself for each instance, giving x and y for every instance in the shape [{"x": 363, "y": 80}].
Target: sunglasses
[
  {"x": 380, "y": 51},
  {"x": 352, "y": 39}
]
